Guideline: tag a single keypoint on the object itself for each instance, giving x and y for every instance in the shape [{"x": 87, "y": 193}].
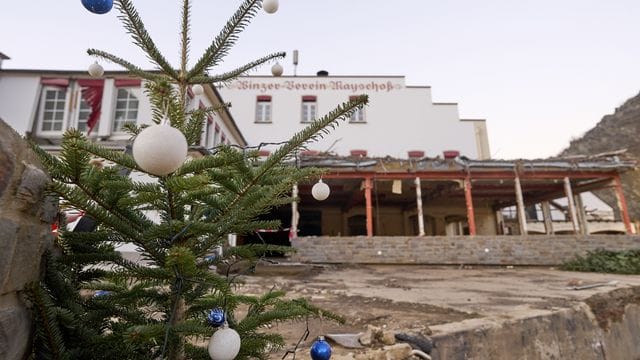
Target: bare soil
[{"x": 421, "y": 299}]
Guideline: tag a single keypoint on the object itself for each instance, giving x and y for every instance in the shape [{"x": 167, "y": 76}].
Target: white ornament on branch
[
  {"x": 224, "y": 344},
  {"x": 96, "y": 70},
  {"x": 320, "y": 191},
  {"x": 160, "y": 149},
  {"x": 270, "y": 6},
  {"x": 197, "y": 89}
]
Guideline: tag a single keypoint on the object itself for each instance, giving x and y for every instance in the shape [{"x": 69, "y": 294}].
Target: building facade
[
  {"x": 399, "y": 118},
  {"x": 43, "y": 104}
]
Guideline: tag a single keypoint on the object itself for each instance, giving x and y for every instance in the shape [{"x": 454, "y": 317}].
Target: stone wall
[
  {"x": 484, "y": 250},
  {"x": 25, "y": 233}
]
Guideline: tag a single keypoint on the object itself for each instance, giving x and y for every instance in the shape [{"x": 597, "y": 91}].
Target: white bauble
[
  {"x": 96, "y": 70},
  {"x": 270, "y": 6},
  {"x": 277, "y": 69},
  {"x": 224, "y": 344},
  {"x": 197, "y": 89},
  {"x": 160, "y": 149},
  {"x": 320, "y": 191}
]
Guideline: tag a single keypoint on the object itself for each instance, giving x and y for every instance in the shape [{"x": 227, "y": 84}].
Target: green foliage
[
  {"x": 157, "y": 309},
  {"x": 606, "y": 261}
]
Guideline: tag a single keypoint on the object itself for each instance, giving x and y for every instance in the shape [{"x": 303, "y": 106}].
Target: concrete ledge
[{"x": 575, "y": 333}]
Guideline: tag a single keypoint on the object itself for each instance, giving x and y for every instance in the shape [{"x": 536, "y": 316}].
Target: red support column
[
  {"x": 369, "y": 207},
  {"x": 470, "y": 214},
  {"x": 622, "y": 204}
]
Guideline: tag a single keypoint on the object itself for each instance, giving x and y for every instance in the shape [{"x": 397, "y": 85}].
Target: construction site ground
[{"x": 421, "y": 299}]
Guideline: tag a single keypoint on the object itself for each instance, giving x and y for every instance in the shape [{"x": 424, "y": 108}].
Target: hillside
[{"x": 616, "y": 131}]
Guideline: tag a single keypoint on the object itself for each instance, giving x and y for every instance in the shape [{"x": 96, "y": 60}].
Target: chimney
[
  {"x": 415, "y": 154},
  {"x": 2, "y": 58},
  {"x": 323, "y": 73},
  {"x": 359, "y": 153},
  {"x": 451, "y": 154}
]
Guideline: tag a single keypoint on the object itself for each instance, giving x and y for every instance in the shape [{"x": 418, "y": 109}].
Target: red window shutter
[
  {"x": 310, "y": 98},
  {"x": 61, "y": 82},
  {"x": 128, "y": 82},
  {"x": 264, "y": 97}
]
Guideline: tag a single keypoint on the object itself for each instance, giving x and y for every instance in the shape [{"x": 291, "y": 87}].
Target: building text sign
[{"x": 296, "y": 85}]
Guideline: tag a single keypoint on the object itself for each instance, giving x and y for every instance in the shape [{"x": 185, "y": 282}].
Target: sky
[{"x": 541, "y": 72}]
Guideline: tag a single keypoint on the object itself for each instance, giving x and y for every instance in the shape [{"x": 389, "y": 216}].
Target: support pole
[
  {"x": 546, "y": 215},
  {"x": 572, "y": 206},
  {"x": 293, "y": 230},
  {"x": 469, "y": 200},
  {"x": 522, "y": 217},
  {"x": 369, "y": 208},
  {"x": 582, "y": 215},
  {"x": 622, "y": 204},
  {"x": 419, "y": 205}
]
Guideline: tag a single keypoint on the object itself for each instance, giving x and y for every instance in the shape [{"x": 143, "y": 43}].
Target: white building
[
  {"x": 42, "y": 104},
  {"x": 399, "y": 118}
]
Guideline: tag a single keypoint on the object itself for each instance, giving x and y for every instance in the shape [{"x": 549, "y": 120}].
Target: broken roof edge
[{"x": 603, "y": 161}]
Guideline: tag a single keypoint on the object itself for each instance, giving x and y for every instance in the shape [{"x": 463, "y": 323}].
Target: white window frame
[
  {"x": 78, "y": 110},
  {"x": 263, "y": 111},
  {"x": 309, "y": 111},
  {"x": 133, "y": 91},
  {"x": 358, "y": 117},
  {"x": 42, "y": 110}
]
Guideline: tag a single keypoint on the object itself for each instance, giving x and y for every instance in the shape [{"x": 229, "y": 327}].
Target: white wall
[
  {"x": 398, "y": 118},
  {"x": 19, "y": 96}
]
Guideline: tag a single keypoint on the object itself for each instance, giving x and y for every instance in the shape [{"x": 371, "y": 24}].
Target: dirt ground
[{"x": 421, "y": 299}]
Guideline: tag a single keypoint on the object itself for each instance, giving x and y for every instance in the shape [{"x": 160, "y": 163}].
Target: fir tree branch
[
  {"x": 134, "y": 70},
  {"x": 184, "y": 39},
  {"x": 226, "y": 77},
  {"x": 220, "y": 47},
  {"x": 141, "y": 38}
]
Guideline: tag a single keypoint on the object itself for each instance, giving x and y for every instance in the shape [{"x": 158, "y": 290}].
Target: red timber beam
[
  {"x": 622, "y": 204},
  {"x": 471, "y": 218},
  {"x": 369, "y": 207}
]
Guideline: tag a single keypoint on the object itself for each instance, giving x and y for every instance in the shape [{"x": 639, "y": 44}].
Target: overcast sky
[{"x": 540, "y": 72}]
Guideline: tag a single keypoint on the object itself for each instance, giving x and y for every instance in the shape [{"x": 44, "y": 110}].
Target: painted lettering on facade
[{"x": 291, "y": 85}]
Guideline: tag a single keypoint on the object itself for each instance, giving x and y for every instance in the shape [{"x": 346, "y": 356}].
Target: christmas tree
[{"x": 94, "y": 303}]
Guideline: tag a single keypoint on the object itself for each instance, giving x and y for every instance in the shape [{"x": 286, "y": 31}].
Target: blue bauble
[
  {"x": 320, "y": 350},
  {"x": 216, "y": 317},
  {"x": 102, "y": 293},
  {"x": 98, "y": 6}
]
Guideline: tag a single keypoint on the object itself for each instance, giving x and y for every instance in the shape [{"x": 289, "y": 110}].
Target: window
[
  {"x": 309, "y": 107},
  {"x": 52, "y": 115},
  {"x": 65, "y": 104},
  {"x": 263, "y": 109},
  {"x": 358, "y": 115},
  {"x": 84, "y": 111},
  {"x": 126, "y": 109}
]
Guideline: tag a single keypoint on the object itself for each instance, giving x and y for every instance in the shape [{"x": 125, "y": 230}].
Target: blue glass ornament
[
  {"x": 101, "y": 293},
  {"x": 98, "y": 6},
  {"x": 320, "y": 350},
  {"x": 216, "y": 317}
]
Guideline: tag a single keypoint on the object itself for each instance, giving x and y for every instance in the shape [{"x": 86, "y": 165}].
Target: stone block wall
[
  {"x": 482, "y": 250},
  {"x": 25, "y": 233}
]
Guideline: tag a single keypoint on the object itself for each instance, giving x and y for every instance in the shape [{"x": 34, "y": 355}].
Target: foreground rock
[{"x": 25, "y": 233}]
